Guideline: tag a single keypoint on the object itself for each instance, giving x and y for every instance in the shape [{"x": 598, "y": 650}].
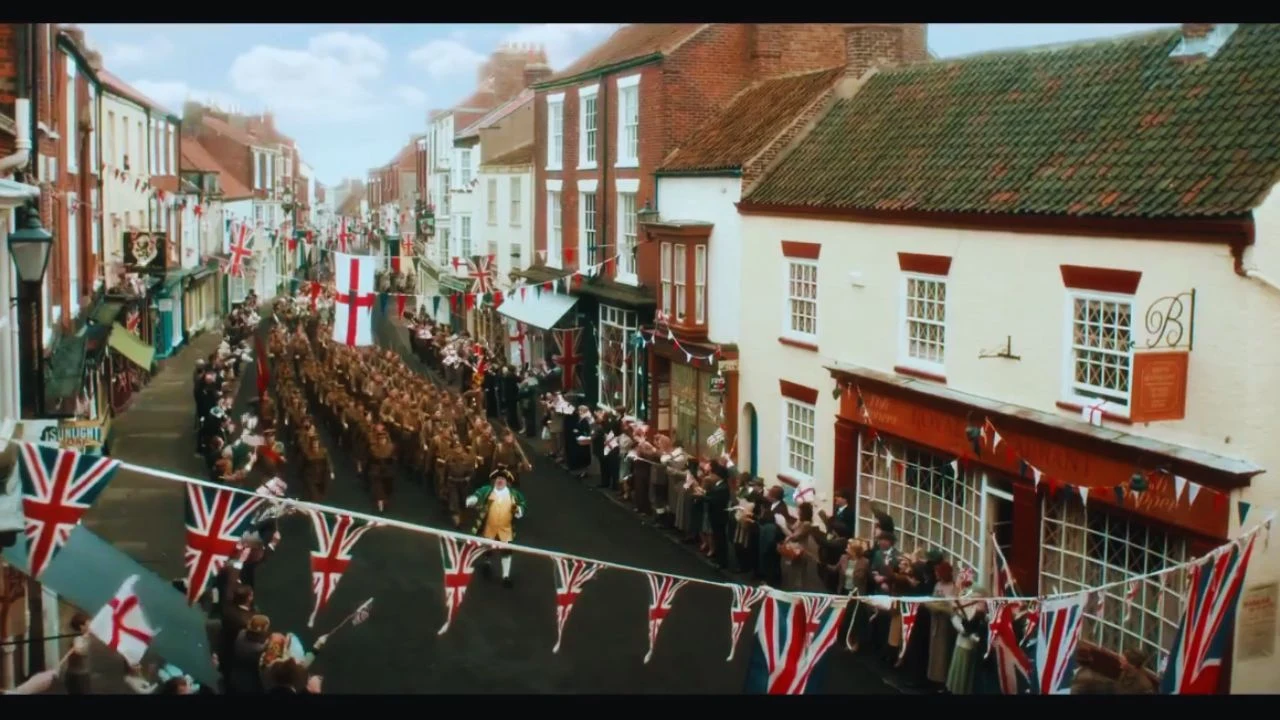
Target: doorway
[
  {"x": 753, "y": 437},
  {"x": 997, "y": 535}
]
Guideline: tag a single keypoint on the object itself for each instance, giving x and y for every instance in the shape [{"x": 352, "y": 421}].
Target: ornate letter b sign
[
  {"x": 144, "y": 252},
  {"x": 1171, "y": 322}
]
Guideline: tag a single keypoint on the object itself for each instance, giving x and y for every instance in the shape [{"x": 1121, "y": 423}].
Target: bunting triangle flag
[
  {"x": 1242, "y": 509},
  {"x": 907, "y": 611},
  {"x": 745, "y": 597},
  {"x": 459, "y": 560},
  {"x": 1179, "y": 486},
  {"x": 571, "y": 576},
  {"x": 58, "y": 487},
  {"x": 1084, "y": 495},
  {"x": 336, "y": 537},
  {"x": 1193, "y": 489},
  {"x": 662, "y": 592}
]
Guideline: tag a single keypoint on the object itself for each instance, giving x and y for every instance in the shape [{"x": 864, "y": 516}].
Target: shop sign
[
  {"x": 166, "y": 305},
  {"x": 81, "y": 435},
  {"x": 717, "y": 385},
  {"x": 144, "y": 252},
  {"x": 1258, "y": 622},
  {"x": 945, "y": 430},
  {"x": 728, "y": 366}
]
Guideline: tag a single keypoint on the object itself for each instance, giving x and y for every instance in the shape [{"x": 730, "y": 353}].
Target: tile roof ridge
[
  {"x": 829, "y": 96},
  {"x": 1055, "y": 47}
]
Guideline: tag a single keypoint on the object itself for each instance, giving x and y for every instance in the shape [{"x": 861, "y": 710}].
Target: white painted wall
[
  {"x": 506, "y": 233},
  {"x": 190, "y": 241},
  {"x": 119, "y": 136},
  {"x": 713, "y": 200},
  {"x": 1004, "y": 284}
]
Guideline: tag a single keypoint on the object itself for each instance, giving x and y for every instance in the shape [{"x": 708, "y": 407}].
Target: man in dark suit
[
  {"x": 717, "y": 500},
  {"x": 236, "y": 611}
]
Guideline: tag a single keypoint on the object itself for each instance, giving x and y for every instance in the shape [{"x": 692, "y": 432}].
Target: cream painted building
[
  {"x": 126, "y": 135},
  {"x": 1080, "y": 372}
]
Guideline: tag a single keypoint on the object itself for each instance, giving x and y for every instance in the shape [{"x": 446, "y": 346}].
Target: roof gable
[
  {"x": 128, "y": 92},
  {"x": 502, "y": 111},
  {"x": 1108, "y": 128},
  {"x": 629, "y": 42}
]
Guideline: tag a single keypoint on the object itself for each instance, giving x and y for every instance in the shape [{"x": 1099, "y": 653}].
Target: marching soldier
[
  {"x": 316, "y": 472},
  {"x": 459, "y": 467},
  {"x": 482, "y": 446},
  {"x": 381, "y": 464},
  {"x": 509, "y": 456}
]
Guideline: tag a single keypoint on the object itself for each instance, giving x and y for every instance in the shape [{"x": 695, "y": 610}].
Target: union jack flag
[
  {"x": 792, "y": 636},
  {"x": 568, "y": 357},
  {"x": 1195, "y": 662},
  {"x": 216, "y": 519},
  {"x": 908, "y": 611},
  {"x": 662, "y": 592},
  {"x": 336, "y": 536},
  {"x": 822, "y": 625},
  {"x": 459, "y": 565},
  {"x": 1058, "y": 634},
  {"x": 58, "y": 487},
  {"x": 744, "y": 599},
  {"x": 1013, "y": 667},
  {"x": 481, "y": 269},
  {"x": 240, "y": 250},
  {"x": 571, "y": 575},
  {"x": 132, "y": 320}
]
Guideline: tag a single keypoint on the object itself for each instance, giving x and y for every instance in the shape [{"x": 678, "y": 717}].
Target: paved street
[{"x": 501, "y": 639}]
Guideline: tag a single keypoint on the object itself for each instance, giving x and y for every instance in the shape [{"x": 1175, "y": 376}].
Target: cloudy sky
[{"x": 352, "y": 94}]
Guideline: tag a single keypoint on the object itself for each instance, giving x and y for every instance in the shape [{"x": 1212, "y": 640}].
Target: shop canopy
[
  {"x": 540, "y": 312},
  {"x": 130, "y": 346}
]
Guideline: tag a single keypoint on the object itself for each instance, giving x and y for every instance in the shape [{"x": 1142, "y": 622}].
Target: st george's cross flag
[
  {"x": 58, "y": 487},
  {"x": 459, "y": 558},
  {"x": 571, "y": 576},
  {"x": 745, "y": 598},
  {"x": 1195, "y": 661},
  {"x": 122, "y": 626},
  {"x": 662, "y": 592},
  {"x": 353, "y": 305},
  {"x": 793, "y": 635},
  {"x": 1058, "y": 634},
  {"x": 216, "y": 520},
  {"x": 336, "y": 537}
]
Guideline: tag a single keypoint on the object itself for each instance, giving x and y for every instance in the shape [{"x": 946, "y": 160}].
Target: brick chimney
[
  {"x": 1196, "y": 30},
  {"x": 192, "y": 112},
  {"x": 536, "y": 73},
  {"x": 874, "y": 46},
  {"x": 1201, "y": 41}
]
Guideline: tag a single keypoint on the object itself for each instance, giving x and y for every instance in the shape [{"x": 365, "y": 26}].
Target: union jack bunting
[
  {"x": 58, "y": 487},
  {"x": 745, "y": 598},
  {"x": 481, "y": 269},
  {"x": 662, "y": 592},
  {"x": 1195, "y": 661},
  {"x": 908, "y": 611},
  {"x": 822, "y": 625},
  {"x": 216, "y": 519},
  {"x": 1013, "y": 667},
  {"x": 336, "y": 536},
  {"x": 459, "y": 565},
  {"x": 792, "y": 636},
  {"x": 567, "y": 357},
  {"x": 571, "y": 575},
  {"x": 1058, "y": 634}
]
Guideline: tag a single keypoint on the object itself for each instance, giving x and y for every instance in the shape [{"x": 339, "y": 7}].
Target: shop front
[
  {"x": 692, "y": 395},
  {"x": 170, "y": 313},
  {"x": 1069, "y": 505},
  {"x": 529, "y": 319},
  {"x": 614, "y": 369},
  {"x": 200, "y": 301}
]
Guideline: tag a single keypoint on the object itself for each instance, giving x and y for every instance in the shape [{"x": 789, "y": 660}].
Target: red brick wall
[
  {"x": 883, "y": 44},
  {"x": 8, "y": 80},
  {"x": 233, "y": 157}
]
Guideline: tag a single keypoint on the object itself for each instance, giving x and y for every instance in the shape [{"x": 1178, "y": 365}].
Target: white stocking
[{"x": 506, "y": 566}]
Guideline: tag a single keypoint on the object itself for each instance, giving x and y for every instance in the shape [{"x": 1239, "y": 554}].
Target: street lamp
[
  {"x": 30, "y": 247},
  {"x": 287, "y": 198}
]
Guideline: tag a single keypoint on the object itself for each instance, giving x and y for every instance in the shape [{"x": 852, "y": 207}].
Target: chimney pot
[{"x": 1196, "y": 30}]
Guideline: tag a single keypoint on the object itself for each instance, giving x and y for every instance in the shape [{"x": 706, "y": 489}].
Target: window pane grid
[
  {"x": 553, "y": 199},
  {"x": 926, "y": 319},
  {"x": 681, "y": 268},
  {"x": 666, "y": 278},
  {"x": 798, "y": 438},
  {"x": 700, "y": 284},
  {"x": 556, "y": 123},
  {"x": 1101, "y": 348},
  {"x": 589, "y": 227},
  {"x": 802, "y": 298},
  {"x": 617, "y": 360},
  {"x": 492, "y": 201},
  {"x": 515, "y": 202},
  {"x": 627, "y": 206},
  {"x": 631, "y": 123},
  {"x": 589, "y": 129},
  {"x": 1083, "y": 547}
]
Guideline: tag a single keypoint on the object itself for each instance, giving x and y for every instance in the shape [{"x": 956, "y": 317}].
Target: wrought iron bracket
[{"x": 1171, "y": 319}]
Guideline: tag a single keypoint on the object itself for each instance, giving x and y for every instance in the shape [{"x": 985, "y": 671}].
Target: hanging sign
[
  {"x": 717, "y": 385},
  {"x": 144, "y": 252}
]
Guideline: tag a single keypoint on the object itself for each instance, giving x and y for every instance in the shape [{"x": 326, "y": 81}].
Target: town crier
[{"x": 498, "y": 506}]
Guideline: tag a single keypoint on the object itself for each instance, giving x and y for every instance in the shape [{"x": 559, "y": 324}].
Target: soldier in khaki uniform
[
  {"x": 381, "y": 465},
  {"x": 316, "y": 472},
  {"x": 509, "y": 456},
  {"x": 460, "y": 466},
  {"x": 482, "y": 447}
]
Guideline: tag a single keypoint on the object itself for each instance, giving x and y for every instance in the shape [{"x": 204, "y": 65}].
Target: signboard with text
[{"x": 144, "y": 252}]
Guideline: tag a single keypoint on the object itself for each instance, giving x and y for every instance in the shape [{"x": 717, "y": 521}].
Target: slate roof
[
  {"x": 750, "y": 122},
  {"x": 1108, "y": 128},
  {"x": 496, "y": 115},
  {"x": 629, "y": 42}
]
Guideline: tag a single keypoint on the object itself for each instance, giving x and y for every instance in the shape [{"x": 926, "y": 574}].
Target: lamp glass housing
[{"x": 30, "y": 247}]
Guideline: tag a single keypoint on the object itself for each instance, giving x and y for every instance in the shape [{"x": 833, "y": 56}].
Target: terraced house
[{"x": 1025, "y": 300}]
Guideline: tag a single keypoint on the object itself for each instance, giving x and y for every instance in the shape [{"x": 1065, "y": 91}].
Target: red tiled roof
[
  {"x": 496, "y": 115},
  {"x": 1108, "y": 128},
  {"x": 128, "y": 92},
  {"x": 630, "y": 42},
  {"x": 195, "y": 156},
  {"x": 750, "y": 122},
  {"x": 405, "y": 160},
  {"x": 522, "y": 155}
]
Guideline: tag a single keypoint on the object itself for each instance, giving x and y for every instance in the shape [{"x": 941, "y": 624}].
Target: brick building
[{"x": 602, "y": 127}]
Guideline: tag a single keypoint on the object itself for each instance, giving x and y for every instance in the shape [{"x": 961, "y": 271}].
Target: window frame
[
  {"x": 1070, "y": 389},
  {"x": 491, "y": 201},
  {"x": 588, "y": 135},
  {"x": 555, "y": 132},
  {"x": 666, "y": 261},
  {"x": 588, "y": 227},
  {"x": 680, "y": 282},
  {"x": 784, "y": 457},
  {"x": 73, "y": 254},
  {"x": 464, "y": 235},
  {"x": 93, "y": 129},
  {"x": 464, "y": 168},
  {"x": 905, "y": 359},
  {"x": 555, "y": 224},
  {"x": 788, "y": 331},
  {"x": 514, "y": 186},
  {"x": 625, "y": 269},
  {"x": 700, "y": 284},
  {"x": 625, "y": 322},
  {"x": 628, "y": 108},
  {"x": 72, "y": 106}
]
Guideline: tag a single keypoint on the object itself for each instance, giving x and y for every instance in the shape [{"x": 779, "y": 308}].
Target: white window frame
[
  {"x": 785, "y": 457},
  {"x": 271, "y": 171},
  {"x": 588, "y": 229},
  {"x": 257, "y": 170},
  {"x": 464, "y": 235},
  {"x": 555, "y": 224},
  {"x": 588, "y": 135},
  {"x": 97, "y": 226},
  {"x": 93, "y": 130},
  {"x": 680, "y": 281},
  {"x": 788, "y": 331},
  {"x": 151, "y": 147},
  {"x": 517, "y": 190},
  {"x": 625, "y": 321},
  {"x": 625, "y": 271},
  {"x": 700, "y": 284},
  {"x": 464, "y": 169},
  {"x": 73, "y": 255},
  {"x": 628, "y": 110},
  {"x": 555, "y": 132},
  {"x": 666, "y": 262},
  {"x": 73, "y": 121},
  {"x": 491, "y": 201},
  {"x": 172, "y": 142},
  {"x": 905, "y": 358},
  {"x": 1072, "y": 391}
]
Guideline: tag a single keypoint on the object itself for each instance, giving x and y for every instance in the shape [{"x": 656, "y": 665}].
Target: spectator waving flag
[
  {"x": 571, "y": 576},
  {"x": 1195, "y": 662},
  {"x": 122, "y": 626},
  {"x": 662, "y": 592},
  {"x": 58, "y": 487},
  {"x": 336, "y": 536},
  {"x": 459, "y": 565},
  {"x": 353, "y": 306},
  {"x": 1013, "y": 667},
  {"x": 744, "y": 599},
  {"x": 1059, "y": 632},
  {"x": 216, "y": 519}
]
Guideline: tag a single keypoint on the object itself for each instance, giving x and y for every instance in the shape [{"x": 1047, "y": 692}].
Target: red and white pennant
[
  {"x": 662, "y": 592},
  {"x": 571, "y": 575}
]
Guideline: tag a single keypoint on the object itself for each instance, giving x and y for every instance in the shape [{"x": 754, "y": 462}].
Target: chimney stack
[
  {"x": 1201, "y": 41},
  {"x": 1196, "y": 30},
  {"x": 871, "y": 45},
  {"x": 192, "y": 112},
  {"x": 536, "y": 73}
]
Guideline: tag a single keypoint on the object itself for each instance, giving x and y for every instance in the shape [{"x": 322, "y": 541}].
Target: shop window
[
  {"x": 930, "y": 507},
  {"x": 616, "y": 350},
  {"x": 1101, "y": 347},
  {"x": 924, "y": 338},
  {"x": 1084, "y": 547},
  {"x": 798, "y": 443}
]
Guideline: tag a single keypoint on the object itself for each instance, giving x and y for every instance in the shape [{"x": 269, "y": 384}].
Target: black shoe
[{"x": 506, "y": 583}]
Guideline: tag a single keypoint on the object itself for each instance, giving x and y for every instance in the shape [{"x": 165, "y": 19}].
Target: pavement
[{"x": 500, "y": 639}]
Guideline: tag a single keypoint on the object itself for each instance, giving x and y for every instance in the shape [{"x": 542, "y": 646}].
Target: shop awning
[
  {"x": 107, "y": 312},
  {"x": 89, "y": 570},
  {"x": 130, "y": 346},
  {"x": 454, "y": 284},
  {"x": 540, "y": 312}
]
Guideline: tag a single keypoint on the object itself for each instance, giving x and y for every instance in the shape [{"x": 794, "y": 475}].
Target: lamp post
[{"x": 29, "y": 247}]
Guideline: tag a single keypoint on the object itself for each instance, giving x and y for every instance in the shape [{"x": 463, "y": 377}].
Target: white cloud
[
  {"x": 411, "y": 96},
  {"x": 564, "y": 42},
  {"x": 446, "y": 58},
  {"x": 126, "y": 55},
  {"x": 329, "y": 80},
  {"x": 173, "y": 93}
]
